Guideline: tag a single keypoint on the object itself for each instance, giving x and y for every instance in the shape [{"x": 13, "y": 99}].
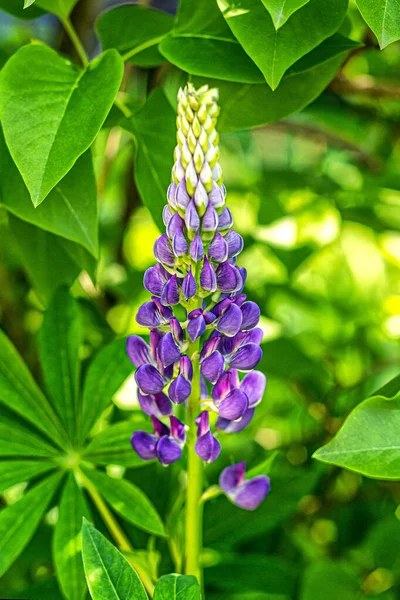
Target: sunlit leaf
[
  {"x": 129, "y": 501},
  {"x": 17, "y": 440},
  {"x": 67, "y": 541},
  {"x": 177, "y": 587},
  {"x": 274, "y": 51},
  {"x": 43, "y": 93},
  {"x": 19, "y": 521},
  {"x": 281, "y": 10},
  {"x": 368, "y": 442},
  {"x": 108, "y": 573},
  {"x": 383, "y": 17}
]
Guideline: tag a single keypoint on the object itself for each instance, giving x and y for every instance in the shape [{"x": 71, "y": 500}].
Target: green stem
[
  {"x": 113, "y": 526},
  {"x": 194, "y": 508},
  {"x": 80, "y": 50}
]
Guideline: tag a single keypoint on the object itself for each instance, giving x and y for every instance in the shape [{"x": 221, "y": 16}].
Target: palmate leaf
[
  {"x": 177, "y": 587},
  {"x": 59, "y": 342},
  {"x": 201, "y": 32},
  {"x": 19, "y": 392},
  {"x": 107, "y": 372},
  {"x": 17, "y": 471},
  {"x": 274, "y": 51},
  {"x": 70, "y": 210},
  {"x": 153, "y": 127},
  {"x": 112, "y": 445},
  {"x": 128, "y": 501},
  {"x": 108, "y": 573},
  {"x": 18, "y": 440},
  {"x": 67, "y": 541},
  {"x": 383, "y": 17},
  {"x": 50, "y": 260},
  {"x": 135, "y": 31},
  {"x": 368, "y": 442},
  {"x": 19, "y": 521},
  {"x": 51, "y": 111},
  {"x": 247, "y": 106}
]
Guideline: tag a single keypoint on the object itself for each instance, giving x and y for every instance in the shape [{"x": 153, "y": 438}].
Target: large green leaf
[
  {"x": 177, "y": 587},
  {"x": 368, "y": 442},
  {"x": 70, "y": 209},
  {"x": 153, "y": 127},
  {"x": 248, "y": 106},
  {"x": 17, "y": 9},
  {"x": 383, "y": 17},
  {"x": 129, "y": 501},
  {"x": 17, "y": 440},
  {"x": 19, "y": 392},
  {"x": 199, "y": 33},
  {"x": 135, "y": 31},
  {"x": 108, "y": 573},
  {"x": 19, "y": 521},
  {"x": 112, "y": 446},
  {"x": 16, "y": 471},
  {"x": 281, "y": 10},
  {"x": 50, "y": 260},
  {"x": 51, "y": 111},
  {"x": 59, "y": 341},
  {"x": 107, "y": 372},
  {"x": 67, "y": 541},
  {"x": 275, "y": 51}
]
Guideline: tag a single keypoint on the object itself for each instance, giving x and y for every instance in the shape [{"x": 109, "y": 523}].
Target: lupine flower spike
[{"x": 196, "y": 268}]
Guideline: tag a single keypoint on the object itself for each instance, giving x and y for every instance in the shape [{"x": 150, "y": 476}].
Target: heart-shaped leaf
[
  {"x": 274, "y": 51},
  {"x": 70, "y": 209},
  {"x": 135, "y": 31},
  {"x": 281, "y": 10},
  {"x": 51, "y": 111},
  {"x": 109, "y": 575},
  {"x": 383, "y": 17},
  {"x": 201, "y": 32},
  {"x": 368, "y": 442}
]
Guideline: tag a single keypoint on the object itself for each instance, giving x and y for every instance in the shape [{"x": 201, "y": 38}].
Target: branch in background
[
  {"x": 364, "y": 85},
  {"x": 327, "y": 138}
]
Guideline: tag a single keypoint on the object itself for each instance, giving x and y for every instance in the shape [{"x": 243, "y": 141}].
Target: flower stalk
[{"x": 196, "y": 363}]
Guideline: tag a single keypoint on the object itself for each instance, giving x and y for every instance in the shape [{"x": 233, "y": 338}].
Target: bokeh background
[{"x": 316, "y": 198}]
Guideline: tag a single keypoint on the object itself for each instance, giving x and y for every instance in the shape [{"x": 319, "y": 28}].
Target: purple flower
[
  {"x": 163, "y": 250},
  {"x": 218, "y": 249},
  {"x": 208, "y": 280},
  {"x": 165, "y": 444},
  {"x": 155, "y": 279},
  {"x": 149, "y": 379},
  {"x": 213, "y": 366},
  {"x": 153, "y": 314},
  {"x": 156, "y": 405},
  {"x": 197, "y": 249},
  {"x": 207, "y": 446},
  {"x": 170, "y": 294},
  {"x": 246, "y": 494},
  {"x": 189, "y": 285}
]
